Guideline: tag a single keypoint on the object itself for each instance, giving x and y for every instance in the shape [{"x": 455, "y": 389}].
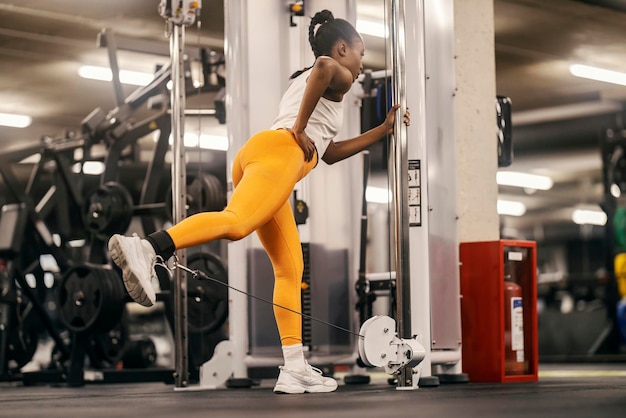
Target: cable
[{"x": 202, "y": 275}]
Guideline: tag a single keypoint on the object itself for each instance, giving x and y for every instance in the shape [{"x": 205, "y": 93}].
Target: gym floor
[{"x": 580, "y": 390}]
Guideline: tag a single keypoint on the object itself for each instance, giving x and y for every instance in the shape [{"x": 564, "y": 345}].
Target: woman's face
[{"x": 354, "y": 57}]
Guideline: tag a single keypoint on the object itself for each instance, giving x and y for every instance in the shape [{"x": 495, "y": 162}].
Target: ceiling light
[
  {"x": 571, "y": 111},
  {"x": 589, "y": 217},
  {"x": 367, "y": 27},
  {"x": 134, "y": 78},
  {"x": 15, "y": 121},
  {"x": 511, "y": 208},
  {"x": 524, "y": 180},
  {"x": 599, "y": 74},
  {"x": 93, "y": 168}
]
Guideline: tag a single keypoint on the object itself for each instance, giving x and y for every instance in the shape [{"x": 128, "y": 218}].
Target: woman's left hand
[{"x": 391, "y": 118}]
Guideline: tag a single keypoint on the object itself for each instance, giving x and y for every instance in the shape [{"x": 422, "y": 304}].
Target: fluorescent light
[
  {"x": 589, "y": 217},
  {"x": 527, "y": 181},
  {"x": 572, "y": 111},
  {"x": 15, "y": 121},
  {"x": 367, "y": 27},
  {"x": 511, "y": 208},
  {"x": 93, "y": 168},
  {"x": 377, "y": 195},
  {"x": 134, "y": 78},
  {"x": 599, "y": 74}
]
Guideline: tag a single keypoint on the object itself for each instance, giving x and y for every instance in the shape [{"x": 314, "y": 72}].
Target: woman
[{"x": 264, "y": 173}]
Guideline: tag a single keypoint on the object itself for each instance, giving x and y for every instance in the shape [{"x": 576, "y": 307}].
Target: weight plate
[
  {"x": 207, "y": 301},
  {"x": 108, "y": 209},
  {"x": 205, "y": 193},
  {"x": 91, "y": 299}
]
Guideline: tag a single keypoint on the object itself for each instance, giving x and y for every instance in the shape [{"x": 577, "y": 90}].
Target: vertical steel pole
[
  {"x": 179, "y": 182},
  {"x": 399, "y": 174}
]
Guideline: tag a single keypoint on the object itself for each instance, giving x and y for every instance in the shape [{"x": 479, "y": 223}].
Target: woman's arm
[
  {"x": 341, "y": 150},
  {"x": 326, "y": 75}
]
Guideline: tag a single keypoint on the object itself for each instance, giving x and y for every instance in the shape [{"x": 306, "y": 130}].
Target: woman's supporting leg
[{"x": 280, "y": 239}]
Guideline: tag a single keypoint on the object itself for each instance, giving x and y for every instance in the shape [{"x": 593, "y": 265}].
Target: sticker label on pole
[{"x": 415, "y": 193}]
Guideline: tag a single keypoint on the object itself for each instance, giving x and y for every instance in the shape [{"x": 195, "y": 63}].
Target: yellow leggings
[{"x": 265, "y": 171}]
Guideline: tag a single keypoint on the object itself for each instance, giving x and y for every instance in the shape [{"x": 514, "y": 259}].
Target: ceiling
[{"x": 557, "y": 118}]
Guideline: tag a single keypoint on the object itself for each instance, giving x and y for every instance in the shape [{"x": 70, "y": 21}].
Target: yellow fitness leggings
[{"x": 264, "y": 173}]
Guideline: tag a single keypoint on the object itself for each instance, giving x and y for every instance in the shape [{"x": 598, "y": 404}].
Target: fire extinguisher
[{"x": 513, "y": 329}]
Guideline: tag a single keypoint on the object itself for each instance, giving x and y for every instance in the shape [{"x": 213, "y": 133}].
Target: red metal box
[{"x": 499, "y": 310}]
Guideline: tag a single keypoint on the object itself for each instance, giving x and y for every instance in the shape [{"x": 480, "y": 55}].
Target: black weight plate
[{"x": 207, "y": 301}]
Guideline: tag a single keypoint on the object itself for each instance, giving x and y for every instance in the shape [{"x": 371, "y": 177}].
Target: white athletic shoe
[
  {"x": 300, "y": 381},
  {"x": 136, "y": 258}
]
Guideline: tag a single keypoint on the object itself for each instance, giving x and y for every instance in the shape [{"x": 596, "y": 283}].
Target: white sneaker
[
  {"x": 300, "y": 381},
  {"x": 136, "y": 258}
]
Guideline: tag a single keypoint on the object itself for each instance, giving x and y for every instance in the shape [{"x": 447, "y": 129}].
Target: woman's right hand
[
  {"x": 390, "y": 120},
  {"x": 306, "y": 143}
]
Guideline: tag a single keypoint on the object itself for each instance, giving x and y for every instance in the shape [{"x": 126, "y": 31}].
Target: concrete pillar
[{"x": 476, "y": 153}]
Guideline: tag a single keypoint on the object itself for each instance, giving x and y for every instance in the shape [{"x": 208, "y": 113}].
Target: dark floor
[{"x": 562, "y": 391}]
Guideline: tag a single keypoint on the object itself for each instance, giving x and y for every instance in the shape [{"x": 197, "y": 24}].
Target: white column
[
  {"x": 262, "y": 51},
  {"x": 417, "y": 153},
  {"x": 256, "y": 33},
  {"x": 442, "y": 197}
]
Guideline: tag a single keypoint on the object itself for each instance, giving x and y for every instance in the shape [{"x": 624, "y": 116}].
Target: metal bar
[
  {"x": 399, "y": 154},
  {"x": 177, "y": 42},
  {"x": 115, "y": 69}
]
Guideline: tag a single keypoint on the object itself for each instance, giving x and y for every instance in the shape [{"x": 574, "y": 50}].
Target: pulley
[
  {"x": 380, "y": 346},
  {"x": 91, "y": 298},
  {"x": 108, "y": 209}
]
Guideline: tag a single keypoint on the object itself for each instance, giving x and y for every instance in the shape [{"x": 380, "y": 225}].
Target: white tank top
[{"x": 325, "y": 121}]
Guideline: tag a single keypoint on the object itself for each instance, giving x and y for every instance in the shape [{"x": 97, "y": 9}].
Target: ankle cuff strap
[{"x": 162, "y": 243}]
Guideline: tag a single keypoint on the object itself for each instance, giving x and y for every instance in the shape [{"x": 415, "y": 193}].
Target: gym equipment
[
  {"x": 91, "y": 298},
  {"x": 108, "y": 209},
  {"x": 106, "y": 349},
  {"x": 379, "y": 346},
  {"x": 176, "y": 18},
  {"x": 207, "y": 307},
  {"x": 204, "y": 193},
  {"x": 22, "y": 312},
  {"x": 21, "y": 330},
  {"x": 613, "y": 152},
  {"x": 139, "y": 354},
  {"x": 67, "y": 214}
]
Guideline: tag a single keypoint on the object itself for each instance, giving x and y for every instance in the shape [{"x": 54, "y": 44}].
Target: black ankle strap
[{"x": 162, "y": 244}]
